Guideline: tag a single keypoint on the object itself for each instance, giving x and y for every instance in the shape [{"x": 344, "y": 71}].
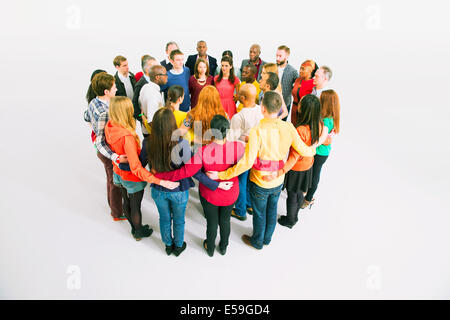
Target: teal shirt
[{"x": 325, "y": 150}]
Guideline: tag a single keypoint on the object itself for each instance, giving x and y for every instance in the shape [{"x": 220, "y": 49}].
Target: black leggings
[
  {"x": 132, "y": 207},
  {"x": 317, "y": 167},
  {"x": 216, "y": 216},
  {"x": 293, "y": 203}
]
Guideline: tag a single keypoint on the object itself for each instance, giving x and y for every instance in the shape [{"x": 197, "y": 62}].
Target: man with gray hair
[
  {"x": 321, "y": 79},
  {"x": 151, "y": 97},
  {"x": 147, "y": 62},
  {"x": 170, "y": 46},
  {"x": 255, "y": 51}
]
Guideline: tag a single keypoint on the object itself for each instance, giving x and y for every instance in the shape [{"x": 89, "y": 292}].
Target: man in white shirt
[
  {"x": 241, "y": 124},
  {"x": 321, "y": 79},
  {"x": 125, "y": 80},
  {"x": 151, "y": 98}
]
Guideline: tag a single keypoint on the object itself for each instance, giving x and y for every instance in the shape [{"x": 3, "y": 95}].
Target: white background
[{"x": 379, "y": 229}]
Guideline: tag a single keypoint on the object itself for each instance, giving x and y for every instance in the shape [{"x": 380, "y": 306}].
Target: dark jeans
[
  {"x": 243, "y": 201},
  {"x": 216, "y": 216},
  {"x": 317, "y": 167},
  {"x": 264, "y": 202},
  {"x": 112, "y": 191}
]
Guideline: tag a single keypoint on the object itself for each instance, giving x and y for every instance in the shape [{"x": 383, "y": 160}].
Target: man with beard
[
  {"x": 255, "y": 51},
  {"x": 287, "y": 74}
]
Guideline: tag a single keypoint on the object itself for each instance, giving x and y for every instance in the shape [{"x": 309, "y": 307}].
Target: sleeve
[
  {"x": 291, "y": 161},
  {"x": 187, "y": 122},
  {"x": 235, "y": 128},
  {"x": 247, "y": 161},
  {"x": 86, "y": 116},
  {"x": 299, "y": 145},
  {"x": 100, "y": 141},
  {"x": 328, "y": 122},
  {"x": 188, "y": 170},
  {"x": 134, "y": 162},
  {"x": 204, "y": 180}
]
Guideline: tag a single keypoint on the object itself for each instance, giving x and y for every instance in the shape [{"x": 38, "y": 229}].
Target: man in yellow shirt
[
  {"x": 248, "y": 76},
  {"x": 268, "y": 145}
]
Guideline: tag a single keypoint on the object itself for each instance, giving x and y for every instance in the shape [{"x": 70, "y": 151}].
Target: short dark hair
[
  {"x": 227, "y": 53},
  {"x": 252, "y": 67},
  {"x": 272, "y": 102},
  {"x": 220, "y": 125},
  {"x": 175, "y": 52},
  {"x": 272, "y": 80},
  {"x": 154, "y": 71}
]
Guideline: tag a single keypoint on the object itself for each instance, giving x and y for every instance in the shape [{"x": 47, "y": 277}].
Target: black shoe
[
  {"x": 143, "y": 232},
  {"x": 283, "y": 221},
  {"x": 209, "y": 252},
  {"x": 169, "y": 250},
  {"x": 178, "y": 250},
  {"x": 250, "y": 210},
  {"x": 222, "y": 251},
  {"x": 235, "y": 215}
]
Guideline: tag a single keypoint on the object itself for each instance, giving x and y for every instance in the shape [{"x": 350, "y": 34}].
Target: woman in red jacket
[
  {"x": 303, "y": 85},
  {"x": 122, "y": 138}
]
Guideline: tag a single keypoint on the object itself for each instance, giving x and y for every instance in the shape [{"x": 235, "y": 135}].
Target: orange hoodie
[{"x": 122, "y": 141}]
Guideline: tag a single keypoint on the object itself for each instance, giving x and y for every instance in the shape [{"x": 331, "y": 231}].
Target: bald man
[
  {"x": 241, "y": 123},
  {"x": 254, "y": 53}
]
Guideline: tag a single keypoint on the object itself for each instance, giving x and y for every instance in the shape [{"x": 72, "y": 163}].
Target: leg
[
  {"x": 126, "y": 206},
  {"x": 178, "y": 203},
  {"x": 241, "y": 202},
  {"x": 114, "y": 194},
  {"x": 164, "y": 216},
  {"x": 292, "y": 207},
  {"x": 317, "y": 167},
  {"x": 212, "y": 220},
  {"x": 271, "y": 213},
  {"x": 135, "y": 206},
  {"x": 259, "y": 201},
  {"x": 224, "y": 223}
]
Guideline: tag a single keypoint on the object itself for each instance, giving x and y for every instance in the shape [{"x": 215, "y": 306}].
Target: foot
[
  {"x": 284, "y": 222},
  {"x": 120, "y": 218},
  {"x": 250, "y": 210},
  {"x": 222, "y": 251},
  {"x": 178, "y": 250},
  {"x": 169, "y": 250},
  {"x": 247, "y": 241},
  {"x": 143, "y": 232},
  {"x": 235, "y": 215},
  {"x": 209, "y": 252}
]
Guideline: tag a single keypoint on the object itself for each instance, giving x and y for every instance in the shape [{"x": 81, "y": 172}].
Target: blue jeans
[
  {"x": 243, "y": 201},
  {"x": 171, "y": 207},
  {"x": 264, "y": 203}
]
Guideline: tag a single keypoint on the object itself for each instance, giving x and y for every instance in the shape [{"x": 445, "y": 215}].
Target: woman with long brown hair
[
  {"x": 303, "y": 85},
  {"x": 198, "y": 120},
  {"x": 227, "y": 85},
  {"x": 167, "y": 154},
  {"x": 330, "y": 112},
  {"x": 121, "y": 136}
]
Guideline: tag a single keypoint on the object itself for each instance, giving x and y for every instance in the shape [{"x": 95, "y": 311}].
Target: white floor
[{"x": 379, "y": 229}]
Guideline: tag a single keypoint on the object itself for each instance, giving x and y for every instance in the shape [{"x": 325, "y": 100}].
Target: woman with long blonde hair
[
  {"x": 330, "y": 111},
  {"x": 121, "y": 136},
  {"x": 272, "y": 67},
  {"x": 198, "y": 120}
]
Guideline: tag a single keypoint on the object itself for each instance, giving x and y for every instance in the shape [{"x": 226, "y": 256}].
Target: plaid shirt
[{"x": 97, "y": 115}]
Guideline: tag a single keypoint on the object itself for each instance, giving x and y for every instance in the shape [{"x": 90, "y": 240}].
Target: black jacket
[
  {"x": 121, "y": 87},
  {"x": 190, "y": 63},
  {"x": 165, "y": 65},
  {"x": 137, "y": 91}
]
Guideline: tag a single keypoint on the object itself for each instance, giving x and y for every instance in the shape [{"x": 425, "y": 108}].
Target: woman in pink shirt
[
  {"x": 227, "y": 84},
  {"x": 219, "y": 155}
]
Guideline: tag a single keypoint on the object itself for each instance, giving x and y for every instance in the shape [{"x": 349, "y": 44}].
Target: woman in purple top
[{"x": 199, "y": 80}]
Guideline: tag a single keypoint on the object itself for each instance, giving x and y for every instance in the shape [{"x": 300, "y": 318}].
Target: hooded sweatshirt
[{"x": 122, "y": 141}]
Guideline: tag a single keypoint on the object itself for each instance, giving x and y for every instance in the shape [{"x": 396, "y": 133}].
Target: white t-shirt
[
  {"x": 150, "y": 99},
  {"x": 243, "y": 121},
  {"x": 127, "y": 83},
  {"x": 280, "y": 72}
]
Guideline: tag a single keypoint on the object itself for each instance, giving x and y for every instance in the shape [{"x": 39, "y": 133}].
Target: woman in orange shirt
[{"x": 121, "y": 136}]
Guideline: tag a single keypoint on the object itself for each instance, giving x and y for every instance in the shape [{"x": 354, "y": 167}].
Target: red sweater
[
  {"x": 212, "y": 157},
  {"x": 121, "y": 141}
]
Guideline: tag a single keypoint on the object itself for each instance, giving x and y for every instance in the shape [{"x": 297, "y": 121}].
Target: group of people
[{"x": 229, "y": 129}]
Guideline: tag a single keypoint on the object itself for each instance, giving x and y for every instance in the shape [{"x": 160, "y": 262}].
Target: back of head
[
  {"x": 327, "y": 72},
  {"x": 101, "y": 82},
  {"x": 121, "y": 113},
  {"x": 272, "y": 102},
  {"x": 272, "y": 80},
  {"x": 310, "y": 115},
  {"x": 219, "y": 126},
  {"x": 90, "y": 94},
  {"x": 174, "y": 93},
  {"x": 227, "y": 53},
  {"x": 331, "y": 107},
  {"x": 144, "y": 60},
  {"x": 271, "y": 67},
  {"x": 248, "y": 90}
]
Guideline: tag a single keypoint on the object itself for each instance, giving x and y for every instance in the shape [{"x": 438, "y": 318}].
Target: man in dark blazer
[
  {"x": 125, "y": 80},
  {"x": 146, "y": 63},
  {"x": 201, "y": 49},
  {"x": 170, "y": 46}
]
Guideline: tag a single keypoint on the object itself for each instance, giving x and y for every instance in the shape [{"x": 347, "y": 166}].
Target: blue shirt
[{"x": 181, "y": 79}]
